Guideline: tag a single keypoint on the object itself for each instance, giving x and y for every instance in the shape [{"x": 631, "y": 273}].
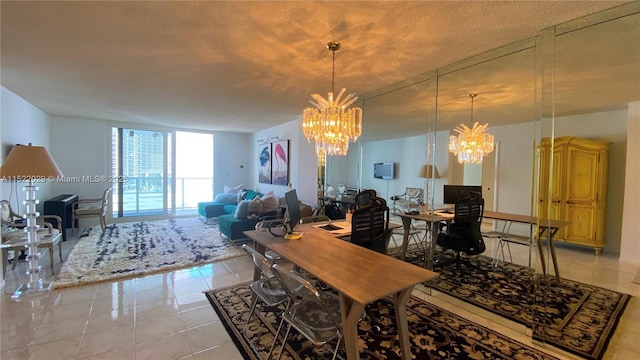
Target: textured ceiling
[{"x": 242, "y": 66}]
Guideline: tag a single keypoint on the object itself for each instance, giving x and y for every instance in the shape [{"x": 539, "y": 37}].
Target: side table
[{"x": 17, "y": 240}]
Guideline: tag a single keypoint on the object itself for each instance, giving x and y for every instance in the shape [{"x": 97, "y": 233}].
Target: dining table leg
[
  {"x": 400, "y": 305},
  {"x": 351, "y": 313},
  {"x": 406, "y": 224},
  {"x": 552, "y": 249}
]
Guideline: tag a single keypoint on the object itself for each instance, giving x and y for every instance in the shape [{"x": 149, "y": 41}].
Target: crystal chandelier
[
  {"x": 471, "y": 144},
  {"x": 331, "y": 124}
]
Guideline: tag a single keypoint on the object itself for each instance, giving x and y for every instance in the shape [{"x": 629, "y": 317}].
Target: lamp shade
[
  {"x": 428, "y": 171},
  {"x": 29, "y": 161}
]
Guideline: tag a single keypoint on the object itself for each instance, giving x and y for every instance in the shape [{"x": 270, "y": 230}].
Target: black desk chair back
[
  {"x": 365, "y": 197},
  {"x": 463, "y": 235},
  {"x": 370, "y": 224}
]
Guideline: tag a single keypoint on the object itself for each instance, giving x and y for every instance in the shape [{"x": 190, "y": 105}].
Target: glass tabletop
[{"x": 19, "y": 238}]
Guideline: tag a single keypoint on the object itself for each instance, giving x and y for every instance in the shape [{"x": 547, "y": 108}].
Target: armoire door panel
[
  {"x": 582, "y": 168},
  {"x": 556, "y": 213},
  {"x": 582, "y": 224},
  {"x": 557, "y": 182}
]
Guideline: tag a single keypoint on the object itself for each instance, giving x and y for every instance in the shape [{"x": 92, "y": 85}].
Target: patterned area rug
[
  {"x": 435, "y": 332},
  {"x": 140, "y": 248},
  {"x": 578, "y": 318}
]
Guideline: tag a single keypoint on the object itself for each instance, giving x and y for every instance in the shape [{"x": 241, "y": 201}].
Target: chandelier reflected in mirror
[
  {"x": 471, "y": 144},
  {"x": 331, "y": 123}
]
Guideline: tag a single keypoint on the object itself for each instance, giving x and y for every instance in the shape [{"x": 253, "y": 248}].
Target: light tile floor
[{"x": 166, "y": 316}]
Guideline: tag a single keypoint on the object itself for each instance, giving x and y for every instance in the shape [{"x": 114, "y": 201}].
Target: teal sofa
[
  {"x": 225, "y": 212},
  {"x": 223, "y": 204},
  {"x": 234, "y": 228}
]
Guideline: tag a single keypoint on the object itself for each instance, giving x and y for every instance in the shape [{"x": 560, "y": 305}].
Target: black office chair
[
  {"x": 365, "y": 197},
  {"x": 463, "y": 235},
  {"x": 370, "y": 225}
]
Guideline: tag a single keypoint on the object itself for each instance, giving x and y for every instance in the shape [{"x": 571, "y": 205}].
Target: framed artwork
[
  {"x": 280, "y": 162},
  {"x": 264, "y": 162}
]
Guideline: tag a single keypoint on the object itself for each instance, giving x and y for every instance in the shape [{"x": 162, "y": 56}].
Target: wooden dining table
[
  {"x": 432, "y": 219},
  {"x": 542, "y": 225},
  {"x": 359, "y": 275}
]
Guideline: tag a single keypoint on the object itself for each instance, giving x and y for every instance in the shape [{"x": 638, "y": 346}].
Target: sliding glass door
[
  {"x": 194, "y": 170},
  {"x": 159, "y": 171}
]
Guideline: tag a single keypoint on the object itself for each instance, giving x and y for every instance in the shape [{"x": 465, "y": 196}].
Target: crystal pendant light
[
  {"x": 331, "y": 123},
  {"x": 471, "y": 144}
]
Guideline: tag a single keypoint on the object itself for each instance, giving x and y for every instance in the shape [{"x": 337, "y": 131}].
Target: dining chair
[
  {"x": 370, "y": 225},
  {"x": 268, "y": 289},
  {"x": 263, "y": 225},
  {"x": 313, "y": 313},
  {"x": 91, "y": 208}
]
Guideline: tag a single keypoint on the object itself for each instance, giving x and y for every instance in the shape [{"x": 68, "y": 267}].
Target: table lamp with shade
[
  {"x": 30, "y": 164},
  {"x": 428, "y": 171}
]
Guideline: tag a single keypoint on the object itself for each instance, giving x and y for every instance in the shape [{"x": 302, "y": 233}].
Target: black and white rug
[{"x": 140, "y": 248}]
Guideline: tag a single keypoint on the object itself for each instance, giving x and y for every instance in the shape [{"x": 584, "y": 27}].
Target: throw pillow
[
  {"x": 232, "y": 190},
  {"x": 241, "y": 196},
  {"x": 242, "y": 209},
  {"x": 226, "y": 198},
  {"x": 255, "y": 208},
  {"x": 305, "y": 210},
  {"x": 270, "y": 203},
  {"x": 252, "y": 194}
]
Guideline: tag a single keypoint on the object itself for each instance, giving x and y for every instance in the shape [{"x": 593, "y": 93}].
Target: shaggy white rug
[{"x": 137, "y": 248}]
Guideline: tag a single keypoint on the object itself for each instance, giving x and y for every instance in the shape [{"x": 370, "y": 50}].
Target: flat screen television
[
  {"x": 452, "y": 192},
  {"x": 383, "y": 170}
]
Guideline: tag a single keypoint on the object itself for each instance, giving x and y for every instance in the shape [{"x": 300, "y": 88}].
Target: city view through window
[{"x": 146, "y": 160}]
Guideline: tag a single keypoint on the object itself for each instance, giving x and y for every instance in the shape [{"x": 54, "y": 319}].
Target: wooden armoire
[{"x": 578, "y": 188}]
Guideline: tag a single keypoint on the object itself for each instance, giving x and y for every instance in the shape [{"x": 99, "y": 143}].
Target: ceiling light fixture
[
  {"x": 331, "y": 124},
  {"x": 471, "y": 144}
]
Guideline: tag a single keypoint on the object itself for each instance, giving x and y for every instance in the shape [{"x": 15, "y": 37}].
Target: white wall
[
  {"x": 515, "y": 159},
  {"x": 408, "y": 155},
  {"x": 80, "y": 149},
  {"x": 23, "y": 123},
  {"x": 630, "y": 241},
  {"x": 303, "y": 163},
  {"x": 232, "y": 161}
]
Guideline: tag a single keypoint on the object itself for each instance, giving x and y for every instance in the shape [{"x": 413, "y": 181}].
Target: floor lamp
[
  {"x": 427, "y": 172},
  {"x": 32, "y": 164}
]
